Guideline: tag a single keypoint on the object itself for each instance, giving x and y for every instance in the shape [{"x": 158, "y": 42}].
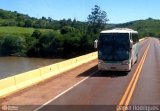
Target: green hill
[
  {"x": 13, "y": 18},
  {"x": 148, "y": 27}
]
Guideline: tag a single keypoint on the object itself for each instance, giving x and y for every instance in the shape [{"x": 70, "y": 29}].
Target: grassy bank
[{"x": 19, "y": 31}]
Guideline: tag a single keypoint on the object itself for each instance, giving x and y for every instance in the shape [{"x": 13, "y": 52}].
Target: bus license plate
[{"x": 113, "y": 67}]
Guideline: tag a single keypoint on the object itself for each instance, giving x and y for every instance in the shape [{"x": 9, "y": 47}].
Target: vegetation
[
  {"x": 45, "y": 37},
  {"x": 96, "y": 20},
  {"x": 149, "y": 27}
]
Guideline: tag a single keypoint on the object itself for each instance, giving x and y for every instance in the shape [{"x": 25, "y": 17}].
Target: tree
[
  {"x": 36, "y": 34},
  {"x": 13, "y": 45},
  {"x": 40, "y": 23},
  {"x": 28, "y": 23},
  {"x": 1, "y": 42},
  {"x": 150, "y": 18},
  {"x": 43, "y": 18},
  {"x": 96, "y": 20},
  {"x": 68, "y": 29},
  {"x": 71, "y": 47},
  {"x": 86, "y": 45}
]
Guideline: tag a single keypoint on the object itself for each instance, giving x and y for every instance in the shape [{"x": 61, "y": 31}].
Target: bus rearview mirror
[
  {"x": 131, "y": 44},
  {"x": 96, "y": 44}
]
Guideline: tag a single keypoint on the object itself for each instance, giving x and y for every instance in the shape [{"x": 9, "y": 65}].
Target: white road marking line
[{"x": 40, "y": 107}]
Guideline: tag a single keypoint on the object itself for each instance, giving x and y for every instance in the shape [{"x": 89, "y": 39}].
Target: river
[{"x": 11, "y": 65}]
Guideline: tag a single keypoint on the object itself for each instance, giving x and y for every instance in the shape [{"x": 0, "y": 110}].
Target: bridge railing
[{"x": 18, "y": 82}]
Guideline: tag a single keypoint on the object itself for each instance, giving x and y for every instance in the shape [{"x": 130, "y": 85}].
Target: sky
[{"x": 118, "y": 11}]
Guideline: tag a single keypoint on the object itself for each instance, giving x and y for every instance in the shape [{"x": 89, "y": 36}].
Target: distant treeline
[
  {"x": 9, "y": 18},
  {"x": 67, "y": 38},
  {"x": 47, "y": 44}
]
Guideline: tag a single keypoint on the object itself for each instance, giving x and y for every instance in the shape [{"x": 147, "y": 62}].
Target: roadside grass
[{"x": 19, "y": 31}]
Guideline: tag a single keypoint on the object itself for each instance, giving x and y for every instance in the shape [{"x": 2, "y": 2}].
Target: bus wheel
[
  {"x": 136, "y": 59},
  {"x": 131, "y": 62}
]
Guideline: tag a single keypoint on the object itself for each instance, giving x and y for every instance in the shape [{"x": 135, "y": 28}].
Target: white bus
[{"x": 117, "y": 49}]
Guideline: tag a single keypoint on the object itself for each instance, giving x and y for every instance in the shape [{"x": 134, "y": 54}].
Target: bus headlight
[
  {"x": 125, "y": 62},
  {"x": 100, "y": 61}
]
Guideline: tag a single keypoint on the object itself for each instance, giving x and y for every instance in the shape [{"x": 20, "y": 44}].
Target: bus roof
[{"x": 120, "y": 30}]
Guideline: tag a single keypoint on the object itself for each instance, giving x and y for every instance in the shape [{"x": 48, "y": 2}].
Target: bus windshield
[{"x": 114, "y": 46}]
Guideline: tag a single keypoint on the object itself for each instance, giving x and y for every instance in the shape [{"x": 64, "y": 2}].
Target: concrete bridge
[{"x": 76, "y": 85}]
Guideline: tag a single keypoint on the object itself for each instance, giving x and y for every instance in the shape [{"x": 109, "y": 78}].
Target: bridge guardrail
[
  {"x": 18, "y": 82},
  {"x": 142, "y": 39}
]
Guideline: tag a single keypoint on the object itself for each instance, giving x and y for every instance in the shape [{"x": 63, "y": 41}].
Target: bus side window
[{"x": 135, "y": 38}]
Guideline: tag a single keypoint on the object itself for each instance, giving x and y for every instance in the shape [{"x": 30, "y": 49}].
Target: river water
[{"x": 10, "y": 66}]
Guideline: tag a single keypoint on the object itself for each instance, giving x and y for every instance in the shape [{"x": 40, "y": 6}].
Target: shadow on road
[
  {"x": 88, "y": 72},
  {"x": 111, "y": 74},
  {"x": 102, "y": 73}
]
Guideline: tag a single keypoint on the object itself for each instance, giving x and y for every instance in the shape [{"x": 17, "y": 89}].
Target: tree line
[{"x": 68, "y": 38}]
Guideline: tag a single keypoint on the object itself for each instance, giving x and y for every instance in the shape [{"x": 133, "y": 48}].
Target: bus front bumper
[{"x": 114, "y": 67}]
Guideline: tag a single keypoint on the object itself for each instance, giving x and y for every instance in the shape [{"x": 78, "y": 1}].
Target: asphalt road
[
  {"x": 138, "y": 90},
  {"x": 107, "y": 90}
]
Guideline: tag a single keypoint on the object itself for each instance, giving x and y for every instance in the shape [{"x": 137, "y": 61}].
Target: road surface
[{"x": 91, "y": 90}]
